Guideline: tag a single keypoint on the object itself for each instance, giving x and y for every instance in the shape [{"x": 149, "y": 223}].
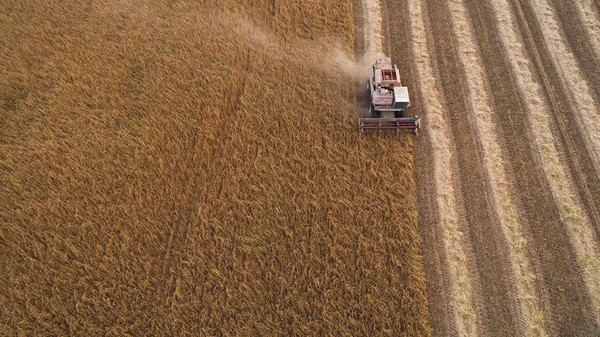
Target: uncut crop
[{"x": 173, "y": 168}]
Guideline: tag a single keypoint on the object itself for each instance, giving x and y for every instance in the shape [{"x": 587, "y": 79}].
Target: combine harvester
[{"x": 389, "y": 100}]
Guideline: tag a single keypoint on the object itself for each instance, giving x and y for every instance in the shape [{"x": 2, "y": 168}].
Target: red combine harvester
[{"x": 389, "y": 100}]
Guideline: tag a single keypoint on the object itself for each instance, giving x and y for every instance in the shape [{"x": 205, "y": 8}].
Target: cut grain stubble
[
  {"x": 587, "y": 111},
  {"x": 502, "y": 190},
  {"x": 561, "y": 184},
  {"x": 454, "y": 242}
]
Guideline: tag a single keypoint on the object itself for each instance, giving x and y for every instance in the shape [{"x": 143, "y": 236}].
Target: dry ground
[{"x": 169, "y": 168}]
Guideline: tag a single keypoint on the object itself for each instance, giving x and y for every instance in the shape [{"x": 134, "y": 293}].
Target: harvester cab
[{"x": 389, "y": 101}]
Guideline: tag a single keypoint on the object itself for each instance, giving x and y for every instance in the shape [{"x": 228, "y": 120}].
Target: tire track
[
  {"x": 461, "y": 304},
  {"x": 561, "y": 293},
  {"x": 577, "y": 18},
  {"x": 587, "y": 116},
  {"x": 398, "y": 44},
  {"x": 501, "y": 187},
  {"x": 508, "y": 116},
  {"x": 578, "y": 225},
  {"x": 572, "y": 142},
  {"x": 497, "y": 303}
]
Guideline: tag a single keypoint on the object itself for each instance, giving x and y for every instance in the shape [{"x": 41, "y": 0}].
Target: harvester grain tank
[{"x": 389, "y": 101}]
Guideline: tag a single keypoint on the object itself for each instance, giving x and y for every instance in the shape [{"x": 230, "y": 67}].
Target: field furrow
[
  {"x": 494, "y": 161},
  {"x": 587, "y": 111},
  {"x": 454, "y": 240}
]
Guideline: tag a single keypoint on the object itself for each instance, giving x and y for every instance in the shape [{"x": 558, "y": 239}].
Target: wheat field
[{"x": 194, "y": 168}]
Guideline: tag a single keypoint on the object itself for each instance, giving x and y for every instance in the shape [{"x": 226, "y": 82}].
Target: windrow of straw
[{"x": 494, "y": 159}]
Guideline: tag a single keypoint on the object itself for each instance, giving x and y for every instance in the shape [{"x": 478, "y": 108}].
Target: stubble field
[{"x": 507, "y": 163}]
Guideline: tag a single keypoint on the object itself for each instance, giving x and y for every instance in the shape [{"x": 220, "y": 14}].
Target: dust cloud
[
  {"x": 359, "y": 69},
  {"x": 325, "y": 54}
]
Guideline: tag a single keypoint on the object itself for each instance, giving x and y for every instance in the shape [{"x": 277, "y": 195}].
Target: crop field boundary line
[
  {"x": 502, "y": 194},
  {"x": 572, "y": 215},
  {"x": 460, "y": 287}
]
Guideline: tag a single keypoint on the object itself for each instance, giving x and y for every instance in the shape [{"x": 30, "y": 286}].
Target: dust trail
[
  {"x": 587, "y": 113},
  {"x": 360, "y": 69},
  {"x": 502, "y": 190},
  {"x": 579, "y": 226},
  {"x": 591, "y": 22},
  {"x": 323, "y": 54},
  {"x": 455, "y": 244}
]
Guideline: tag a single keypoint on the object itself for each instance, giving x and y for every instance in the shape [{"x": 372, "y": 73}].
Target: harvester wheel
[
  {"x": 374, "y": 113},
  {"x": 399, "y": 114}
]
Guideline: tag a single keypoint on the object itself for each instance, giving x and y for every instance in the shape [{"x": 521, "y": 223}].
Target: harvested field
[
  {"x": 590, "y": 18},
  {"x": 449, "y": 220},
  {"x": 564, "y": 59},
  {"x": 502, "y": 189},
  {"x": 508, "y": 92},
  {"x": 177, "y": 168}
]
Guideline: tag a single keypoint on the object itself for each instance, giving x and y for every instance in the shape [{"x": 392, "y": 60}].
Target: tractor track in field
[
  {"x": 572, "y": 136},
  {"x": 397, "y": 40},
  {"x": 532, "y": 258},
  {"x": 590, "y": 16},
  {"x": 559, "y": 55},
  {"x": 556, "y": 263},
  {"x": 578, "y": 209},
  {"x": 489, "y": 273}
]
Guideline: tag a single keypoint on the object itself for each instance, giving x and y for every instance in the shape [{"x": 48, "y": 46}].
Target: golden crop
[{"x": 172, "y": 168}]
